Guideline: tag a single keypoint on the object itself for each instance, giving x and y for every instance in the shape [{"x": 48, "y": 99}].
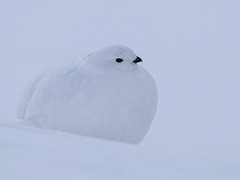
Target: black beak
[{"x": 137, "y": 60}]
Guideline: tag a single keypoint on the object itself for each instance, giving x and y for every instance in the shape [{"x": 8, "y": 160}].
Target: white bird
[{"x": 105, "y": 95}]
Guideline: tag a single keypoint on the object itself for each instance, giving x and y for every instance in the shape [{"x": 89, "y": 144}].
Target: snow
[
  {"x": 191, "y": 48},
  {"x": 29, "y": 153}
]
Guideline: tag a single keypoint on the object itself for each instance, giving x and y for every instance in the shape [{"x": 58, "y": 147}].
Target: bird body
[{"x": 96, "y": 96}]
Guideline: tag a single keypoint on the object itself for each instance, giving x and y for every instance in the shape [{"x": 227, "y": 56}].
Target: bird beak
[{"x": 137, "y": 60}]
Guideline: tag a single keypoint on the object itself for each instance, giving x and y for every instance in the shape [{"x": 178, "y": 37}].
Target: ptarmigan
[{"x": 105, "y": 95}]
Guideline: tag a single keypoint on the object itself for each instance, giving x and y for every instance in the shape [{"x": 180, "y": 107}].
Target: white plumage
[{"x": 105, "y": 95}]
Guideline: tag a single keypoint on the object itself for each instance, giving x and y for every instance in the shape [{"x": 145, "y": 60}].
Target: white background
[{"x": 191, "y": 48}]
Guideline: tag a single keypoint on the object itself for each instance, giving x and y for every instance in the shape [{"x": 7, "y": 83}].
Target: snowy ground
[
  {"x": 191, "y": 48},
  {"x": 28, "y": 153}
]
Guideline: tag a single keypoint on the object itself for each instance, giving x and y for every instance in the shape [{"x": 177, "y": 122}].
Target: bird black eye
[{"x": 119, "y": 60}]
